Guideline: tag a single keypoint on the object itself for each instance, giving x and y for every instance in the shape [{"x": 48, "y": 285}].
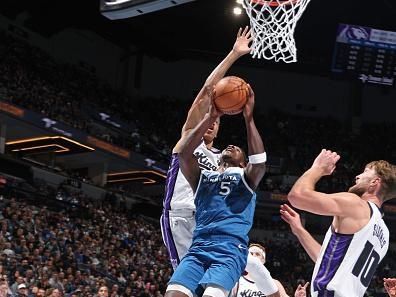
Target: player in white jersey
[
  {"x": 357, "y": 239},
  {"x": 247, "y": 287},
  {"x": 178, "y": 216}
]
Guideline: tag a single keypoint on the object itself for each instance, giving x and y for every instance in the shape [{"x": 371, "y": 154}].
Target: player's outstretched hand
[
  {"x": 390, "y": 286},
  {"x": 326, "y": 161},
  {"x": 213, "y": 111},
  {"x": 249, "y": 106},
  {"x": 241, "y": 45},
  {"x": 292, "y": 218},
  {"x": 301, "y": 291}
]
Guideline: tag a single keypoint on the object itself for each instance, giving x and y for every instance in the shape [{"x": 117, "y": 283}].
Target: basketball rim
[{"x": 275, "y": 3}]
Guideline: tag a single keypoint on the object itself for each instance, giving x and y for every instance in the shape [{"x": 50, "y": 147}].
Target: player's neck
[
  {"x": 209, "y": 145},
  {"x": 225, "y": 165},
  {"x": 372, "y": 198}
]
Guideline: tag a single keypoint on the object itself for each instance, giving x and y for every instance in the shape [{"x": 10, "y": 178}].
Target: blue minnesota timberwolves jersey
[{"x": 225, "y": 204}]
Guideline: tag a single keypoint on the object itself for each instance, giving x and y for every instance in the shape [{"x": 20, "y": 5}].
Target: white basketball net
[{"x": 273, "y": 23}]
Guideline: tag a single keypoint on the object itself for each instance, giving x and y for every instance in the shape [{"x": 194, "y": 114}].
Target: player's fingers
[
  {"x": 285, "y": 213},
  {"x": 306, "y": 285},
  {"x": 245, "y": 31},
  {"x": 290, "y": 210},
  {"x": 251, "y": 92},
  {"x": 299, "y": 287},
  {"x": 249, "y": 33},
  {"x": 284, "y": 218},
  {"x": 386, "y": 285},
  {"x": 239, "y": 32}
]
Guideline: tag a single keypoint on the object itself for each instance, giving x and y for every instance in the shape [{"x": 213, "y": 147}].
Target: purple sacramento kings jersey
[{"x": 225, "y": 204}]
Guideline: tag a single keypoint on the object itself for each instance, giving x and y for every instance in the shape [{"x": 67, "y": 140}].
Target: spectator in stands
[
  {"x": 22, "y": 291},
  {"x": 103, "y": 291},
  {"x": 4, "y": 289}
]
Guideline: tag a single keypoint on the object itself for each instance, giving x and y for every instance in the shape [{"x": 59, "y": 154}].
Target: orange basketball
[{"x": 231, "y": 94}]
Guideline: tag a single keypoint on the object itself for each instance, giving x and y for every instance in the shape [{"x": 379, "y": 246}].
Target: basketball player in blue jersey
[
  {"x": 225, "y": 203},
  {"x": 357, "y": 239},
  {"x": 178, "y": 216}
]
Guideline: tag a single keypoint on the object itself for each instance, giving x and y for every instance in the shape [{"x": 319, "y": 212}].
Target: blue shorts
[{"x": 215, "y": 261}]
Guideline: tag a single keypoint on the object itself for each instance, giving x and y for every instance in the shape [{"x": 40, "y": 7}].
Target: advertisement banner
[{"x": 108, "y": 119}]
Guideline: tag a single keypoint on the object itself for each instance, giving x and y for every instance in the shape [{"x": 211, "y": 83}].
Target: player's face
[
  {"x": 211, "y": 133},
  {"x": 363, "y": 181},
  {"x": 255, "y": 251},
  {"x": 233, "y": 155}
]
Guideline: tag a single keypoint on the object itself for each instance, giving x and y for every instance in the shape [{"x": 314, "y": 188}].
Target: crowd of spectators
[
  {"x": 30, "y": 78},
  {"x": 43, "y": 249}
]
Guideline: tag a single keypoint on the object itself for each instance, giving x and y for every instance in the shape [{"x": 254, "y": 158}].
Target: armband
[{"x": 258, "y": 158}]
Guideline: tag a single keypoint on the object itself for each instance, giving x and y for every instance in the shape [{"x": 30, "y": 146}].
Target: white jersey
[
  {"x": 179, "y": 193},
  {"x": 346, "y": 263},
  {"x": 247, "y": 288}
]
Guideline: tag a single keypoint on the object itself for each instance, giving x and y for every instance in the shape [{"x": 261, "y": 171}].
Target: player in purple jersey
[{"x": 357, "y": 239}]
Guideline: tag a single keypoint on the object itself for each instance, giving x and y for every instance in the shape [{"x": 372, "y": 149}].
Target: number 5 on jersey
[{"x": 225, "y": 188}]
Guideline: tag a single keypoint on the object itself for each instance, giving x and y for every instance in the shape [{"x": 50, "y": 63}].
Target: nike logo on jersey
[{"x": 240, "y": 246}]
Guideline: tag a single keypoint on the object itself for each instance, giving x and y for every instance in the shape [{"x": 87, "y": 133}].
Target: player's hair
[
  {"x": 387, "y": 172},
  {"x": 257, "y": 245}
]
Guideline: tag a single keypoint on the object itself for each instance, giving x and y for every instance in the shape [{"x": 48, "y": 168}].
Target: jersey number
[
  {"x": 225, "y": 188},
  {"x": 366, "y": 264}
]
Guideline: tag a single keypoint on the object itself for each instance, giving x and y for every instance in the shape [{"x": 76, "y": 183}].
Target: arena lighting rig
[
  {"x": 47, "y": 144},
  {"x": 122, "y": 9},
  {"x": 144, "y": 176}
]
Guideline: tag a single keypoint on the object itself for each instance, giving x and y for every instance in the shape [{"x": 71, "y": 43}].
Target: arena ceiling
[{"x": 205, "y": 29}]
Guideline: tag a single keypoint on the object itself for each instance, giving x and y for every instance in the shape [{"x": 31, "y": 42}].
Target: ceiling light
[{"x": 237, "y": 10}]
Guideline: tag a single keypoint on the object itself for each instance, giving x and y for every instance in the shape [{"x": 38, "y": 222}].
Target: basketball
[{"x": 231, "y": 94}]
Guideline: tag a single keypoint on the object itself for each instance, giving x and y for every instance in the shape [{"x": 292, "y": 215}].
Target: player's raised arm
[
  {"x": 255, "y": 169},
  {"x": 190, "y": 140},
  {"x": 201, "y": 104},
  {"x": 310, "y": 245},
  {"x": 303, "y": 195}
]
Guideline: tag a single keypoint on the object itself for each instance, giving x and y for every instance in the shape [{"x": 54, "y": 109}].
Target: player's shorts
[
  {"x": 177, "y": 227},
  {"x": 214, "y": 260}
]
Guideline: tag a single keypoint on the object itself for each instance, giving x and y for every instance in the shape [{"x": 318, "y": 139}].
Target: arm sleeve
[{"x": 261, "y": 276}]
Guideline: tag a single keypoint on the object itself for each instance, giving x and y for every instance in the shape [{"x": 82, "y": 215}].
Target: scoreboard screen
[{"x": 365, "y": 53}]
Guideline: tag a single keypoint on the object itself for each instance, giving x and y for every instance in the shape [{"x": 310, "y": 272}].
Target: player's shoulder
[
  {"x": 215, "y": 150},
  {"x": 348, "y": 197},
  {"x": 351, "y": 205}
]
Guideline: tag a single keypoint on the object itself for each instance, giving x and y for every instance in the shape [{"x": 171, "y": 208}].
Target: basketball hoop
[{"x": 273, "y": 24}]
